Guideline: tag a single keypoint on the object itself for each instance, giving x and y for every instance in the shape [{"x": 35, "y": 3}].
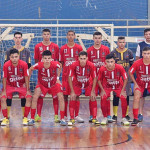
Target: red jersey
[
  {"x": 40, "y": 48},
  {"x": 15, "y": 75},
  {"x": 82, "y": 76},
  {"x": 142, "y": 73},
  {"x": 47, "y": 77},
  {"x": 97, "y": 56},
  {"x": 68, "y": 56},
  {"x": 112, "y": 79}
]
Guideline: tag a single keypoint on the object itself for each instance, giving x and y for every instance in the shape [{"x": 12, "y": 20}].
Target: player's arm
[
  {"x": 61, "y": 60},
  {"x": 29, "y": 60},
  {"x": 4, "y": 81},
  {"x": 71, "y": 74},
  {"x": 59, "y": 65},
  {"x": 137, "y": 53},
  {"x": 131, "y": 58},
  {"x": 34, "y": 67},
  {"x": 36, "y": 55}
]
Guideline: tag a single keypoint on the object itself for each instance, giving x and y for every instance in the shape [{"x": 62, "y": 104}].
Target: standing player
[
  {"x": 124, "y": 57},
  {"x": 46, "y": 44},
  {"x": 142, "y": 82},
  {"x": 48, "y": 82},
  {"x": 110, "y": 79},
  {"x": 69, "y": 54},
  {"x": 83, "y": 73},
  {"x": 24, "y": 54},
  {"x": 97, "y": 54},
  {"x": 15, "y": 79},
  {"x": 140, "y": 47}
]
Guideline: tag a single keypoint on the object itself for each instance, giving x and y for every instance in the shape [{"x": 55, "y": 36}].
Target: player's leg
[
  {"x": 115, "y": 107},
  {"x": 36, "y": 95},
  {"x": 23, "y": 103},
  {"x": 39, "y": 109},
  {"x": 136, "y": 100},
  {"x": 141, "y": 105},
  {"x": 9, "y": 103},
  {"x": 77, "y": 107},
  {"x": 55, "y": 106}
]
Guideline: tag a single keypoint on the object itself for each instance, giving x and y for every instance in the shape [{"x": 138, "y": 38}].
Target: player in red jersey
[
  {"x": 110, "y": 79},
  {"x": 46, "y": 44},
  {"x": 142, "y": 82},
  {"x": 48, "y": 82},
  {"x": 15, "y": 79},
  {"x": 97, "y": 54},
  {"x": 69, "y": 54},
  {"x": 82, "y": 76}
]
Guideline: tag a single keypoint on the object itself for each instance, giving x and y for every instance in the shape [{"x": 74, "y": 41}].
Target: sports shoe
[
  {"x": 104, "y": 121},
  {"x": 66, "y": 118},
  {"x": 135, "y": 122},
  {"x": 125, "y": 122},
  {"x": 128, "y": 118},
  {"x": 25, "y": 121},
  {"x": 140, "y": 117},
  {"x": 114, "y": 118},
  {"x": 110, "y": 120},
  {"x": 37, "y": 118},
  {"x": 71, "y": 122},
  {"x": 56, "y": 119},
  {"x": 5, "y": 122},
  {"x": 90, "y": 119},
  {"x": 79, "y": 119},
  {"x": 96, "y": 122},
  {"x": 31, "y": 122},
  {"x": 63, "y": 122},
  {"x": 2, "y": 120}
]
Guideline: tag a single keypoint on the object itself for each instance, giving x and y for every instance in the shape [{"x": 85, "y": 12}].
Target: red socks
[
  {"x": 39, "y": 106},
  {"x": 33, "y": 111},
  {"x": 4, "y": 111},
  {"x": 66, "y": 106},
  {"x": 77, "y": 107},
  {"x": 94, "y": 108},
  {"x": 26, "y": 112},
  {"x": 55, "y": 105},
  {"x": 72, "y": 108},
  {"x": 135, "y": 113}
]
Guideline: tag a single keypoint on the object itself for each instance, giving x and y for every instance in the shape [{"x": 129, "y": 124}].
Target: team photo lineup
[{"x": 95, "y": 73}]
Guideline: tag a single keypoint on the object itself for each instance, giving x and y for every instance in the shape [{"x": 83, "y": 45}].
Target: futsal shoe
[
  {"x": 63, "y": 122},
  {"x": 125, "y": 122},
  {"x": 96, "y": 122},
  {"x": 135, "y": 122},
  {"x": 37, "y": 118},
  {"x": 56, "y": 119},
  {"x": 5, "y": 122},
  {"x": 79, "y": 119},
  {"x": 71, "y": 122},
  {"x": 104, "y": 121},
  {"x": 25, "y": 121},
  {"x": 140, "y": 117},
  {"x": 128, "y": 118},
  {"x": 90, "y": 119},
  {"x": 110, "y": 120},
  {"x": 114, "y": 118},
  {"x": 31, "y": 122}
]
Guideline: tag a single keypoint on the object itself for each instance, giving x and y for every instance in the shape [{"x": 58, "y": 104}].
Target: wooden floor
[{"x": 48, "y": 135}]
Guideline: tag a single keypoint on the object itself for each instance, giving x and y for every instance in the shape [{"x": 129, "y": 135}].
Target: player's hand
[
  {"x": 93, "y": 96},
  {"x": 103, "y": 93},
  {"x": 136, "y": 87},
  {"x": 123, "y": 93},
  {"x": 3, "y": 93},
  {"x": 58, "y": 81},
  {"x": 73, "y": 96}
]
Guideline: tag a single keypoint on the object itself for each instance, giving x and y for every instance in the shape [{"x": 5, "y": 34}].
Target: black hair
[
  {"x": 46, "y": 30},
  {"x": 83, "y": 53},
  {"x": 97, "y": 33},
  {"x": 71, "y": 31},
  {"x": 13, "y": 51},
  {"x": 121, "y": 38},
  {"x": 110, "y": 56},
  {"x": 18, "y": 33},
  {"x": 146, "y": 30},
  {"x": 46, "y": 53},
  {"x": 146, "y": 49}
]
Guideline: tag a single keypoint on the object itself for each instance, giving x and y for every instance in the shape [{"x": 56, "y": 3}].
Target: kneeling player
[
  {"x": 142, "y": 82},
  {"x": 110, "y": 79},
  {"x": 83, "y": 73},
  {"x": 15, "y": 79},
  {"x": 48, "y": 82}
]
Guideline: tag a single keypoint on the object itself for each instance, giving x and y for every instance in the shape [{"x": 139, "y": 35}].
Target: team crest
[
  {"x": 43, "y": 69},
  {"x": 77, "y": 52},
  {"x": 91, "y": 52},
  {"x": 88, "y": 70},
  {"x": 41, "y": 48},
  {"x": 21, "y": 70},
  {"x": 52, "y": 50},
  {"x": 103, "y": 53},
  {"x": 9, "y": 68},
  {"x": 118, "y": 73},
  {"x": 65, "y": 50}
]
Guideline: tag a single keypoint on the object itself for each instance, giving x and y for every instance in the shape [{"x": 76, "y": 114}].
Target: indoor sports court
[{"x": 22, "y": 126}]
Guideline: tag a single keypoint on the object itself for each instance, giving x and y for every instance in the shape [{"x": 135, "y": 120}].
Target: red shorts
[
  {"x": 78, "y": 90},
  {"x": 54, "y": 90},
  {"x": 66, "y": 88},
  {"x": 22, "y": 91},
  {"x": 142, "y": 90}
]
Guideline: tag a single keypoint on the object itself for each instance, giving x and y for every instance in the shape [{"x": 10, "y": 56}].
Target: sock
[
  {"x": 135, "y": 113},
  {"x": 94, "y": 108},
  {"x": 127, "y": 110},
  {"x": 72, "y": 108},
  {"x": 123, "y": 106},
  {"x": 8, "y": 110},
  {"x": 66, "y": 106},
  {"x": 115, "y": 110},
  {"x": 39, "y": 106},
  {"x": 23, "y": 110},
  {"x": 27, "y": 110},
  {"x": 77, "y": 108},
  {"x": 104, "y": 106},
  {"x": 55, "y": 105},
  {"x": 62, "y": 113},
  {"x": 4, "y": 111},
  {"x": 90, "y": 108},
  {"x": 33, "y": 113}
]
